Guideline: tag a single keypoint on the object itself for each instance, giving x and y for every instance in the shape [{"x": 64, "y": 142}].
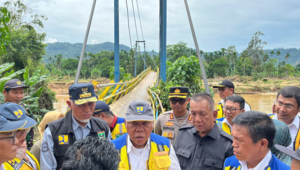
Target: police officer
[
  {"x": 168, "y": 123},
  {"x": 14, "y": 92},
  {"x": 116, "y": 124},
  {"x": 77, "y": 124},
  {"x": 204, "y": 145},
  {"x": 226, "y": 88}
]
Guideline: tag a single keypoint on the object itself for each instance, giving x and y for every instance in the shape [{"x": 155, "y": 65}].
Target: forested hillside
[{"x": 68, "y": 50}]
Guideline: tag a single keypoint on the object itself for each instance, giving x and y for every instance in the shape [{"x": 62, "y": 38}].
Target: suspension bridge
[{"x": 119, "y": 94}]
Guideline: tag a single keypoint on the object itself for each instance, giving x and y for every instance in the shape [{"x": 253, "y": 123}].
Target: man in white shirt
[
  {"x": 287, "y": 106},
  {"x": 253, "y": 134},
  {"x": 139, "y": 148}
]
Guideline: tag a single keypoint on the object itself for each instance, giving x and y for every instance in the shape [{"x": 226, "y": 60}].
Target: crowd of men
[{"x": 193, "y": 135}]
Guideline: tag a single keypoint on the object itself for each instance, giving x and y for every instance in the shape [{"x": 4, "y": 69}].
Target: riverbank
[{"x": 246, "y": 85}]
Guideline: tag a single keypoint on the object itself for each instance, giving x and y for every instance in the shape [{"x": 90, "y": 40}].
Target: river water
[{"x": 260, "y": 102}]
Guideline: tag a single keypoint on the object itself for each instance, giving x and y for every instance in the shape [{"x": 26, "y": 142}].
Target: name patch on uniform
[
  {"x": 171, "y": 116},
  {"x": 169, "y": 123},
  {"x": 101, "y": 135},
  {"x": 63, "y": 139},
  {"x": 168, "y": 128}
]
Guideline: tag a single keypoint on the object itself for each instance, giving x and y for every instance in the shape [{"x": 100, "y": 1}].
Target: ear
[
  {"x": 263, "y": 144},
  {"x": 298, "y": 109},
  {"x": 243, "y": 110},
  {"x": 69, "y": 103},
  {"x": 4, "y": 92},
  {"x": 103, "y": 115},
  {"x": 231, "y": 89},
  {"x": 215, "y": 114}
]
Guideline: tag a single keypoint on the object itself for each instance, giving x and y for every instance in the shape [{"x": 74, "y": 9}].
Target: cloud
[
  {"x": 51, "y": 40},
  {"x": 94, "y": 41},
  {"x": 217, "y": 23}
]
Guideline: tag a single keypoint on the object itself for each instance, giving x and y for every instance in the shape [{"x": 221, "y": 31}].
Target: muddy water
[{"x": 260, "y": 102}]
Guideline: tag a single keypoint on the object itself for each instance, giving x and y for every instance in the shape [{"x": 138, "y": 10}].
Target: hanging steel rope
[
  {"x": 128, "y": 25},
  {"x": 140, "y": 18},
  {"x": 135, "y": 21}
]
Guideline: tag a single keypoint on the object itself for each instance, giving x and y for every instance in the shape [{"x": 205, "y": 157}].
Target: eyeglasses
[
  {"x": 13, "y": 137},
  {"x": 221, "y": 89},
  {"x": 231, "y": 110},
  {"x": 180, "y": 101},
  {"x": 287, "y": 106},
  {"x": 22, "y": 132},
  {"x": 134, "y": 124}
]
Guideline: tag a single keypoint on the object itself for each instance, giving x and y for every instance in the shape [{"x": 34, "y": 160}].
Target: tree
[
  {"x": 218, "y": 67},
  {"x": 19, "y": 15},
  {"x": 178, "y": 50},
  {"x": 255, "y": 48},
  {"x": 287, "y": 57},
  {"x": 4, "y": 30},
  {"x": 278, "y": 54},
  {"x": 70, "y": 64},
  {"x": 272, "y": 53},
  {"x": 265, "y": 58}
]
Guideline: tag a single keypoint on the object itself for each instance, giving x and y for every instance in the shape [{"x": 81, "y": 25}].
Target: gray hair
[
  {"x": 204, "y": 96},
  {"x": 91, "y": 153},
  {"x": 259, "y": 125}
]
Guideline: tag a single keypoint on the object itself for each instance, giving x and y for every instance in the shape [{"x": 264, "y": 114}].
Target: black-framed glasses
[
  {"x": 13, "y": 137},
  {"x": 221, "y": 89},
  {"x": 231, "y": 110},
  {"x": 180, "y": 101}
]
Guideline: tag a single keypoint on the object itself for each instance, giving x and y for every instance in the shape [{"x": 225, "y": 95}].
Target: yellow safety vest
[
  {"x": 219, "y": 109},
  {"x": 119, "y": 129},
  {"x": 17, "y": 164},
  {"x": 224, "y": 126},
  {"x": 158, "y": 158}
]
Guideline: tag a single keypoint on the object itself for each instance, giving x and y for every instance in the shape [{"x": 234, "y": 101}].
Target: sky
[{"x": 218, "y": 23}]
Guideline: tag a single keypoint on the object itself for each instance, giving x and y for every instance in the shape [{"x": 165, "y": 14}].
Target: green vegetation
[{"x": 23, "y": 52}]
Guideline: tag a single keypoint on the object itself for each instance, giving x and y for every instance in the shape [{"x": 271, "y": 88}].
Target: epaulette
[
  {"x": 187, "y": 126},
  {"x": 226, "y": 135}
]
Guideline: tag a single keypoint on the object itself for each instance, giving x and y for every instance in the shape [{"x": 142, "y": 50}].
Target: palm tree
[
  {"x": 278, "y": 54},
  {"x": 223, "y": 50},
  {"x": 287, "y": 57},
  {"x": 265, "y": 58},
  {"x": 272, "y": 53}
]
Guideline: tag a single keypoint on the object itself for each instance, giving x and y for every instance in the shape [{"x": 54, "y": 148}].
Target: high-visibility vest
[
  {"x": 232, "y": 163},
  {"x": 17, "y": 164},
  {"x": 220, "y": 111},
  {"x": 223, "y": 126},
  {"x": 119, "y": 129},
  {"x": 159, "y": 153}
]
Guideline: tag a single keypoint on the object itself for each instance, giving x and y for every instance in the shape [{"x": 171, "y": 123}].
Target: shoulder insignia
[
  {"x": 224, "y": 134},
  {"x": 187, "y": 126},
  {"x": 190, "y": 118},
  {"x": 172, "y": 116}
]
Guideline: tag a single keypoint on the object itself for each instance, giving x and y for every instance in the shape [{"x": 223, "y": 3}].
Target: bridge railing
[
  {"x": 119, "y": 89},
  {"x": 155, "y": 100}
]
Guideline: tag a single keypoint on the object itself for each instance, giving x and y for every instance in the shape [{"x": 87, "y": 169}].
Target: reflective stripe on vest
[
  {"x": 119, "y": 130},
  {"x": 17, "y": 164}
]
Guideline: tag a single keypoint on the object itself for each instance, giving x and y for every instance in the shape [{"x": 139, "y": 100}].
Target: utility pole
[{"x": 117, "y": 57}]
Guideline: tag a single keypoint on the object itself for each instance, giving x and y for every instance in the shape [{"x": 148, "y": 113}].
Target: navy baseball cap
[
  {"x": 14, "y": 112},
  {"x": 8, "y": 126},
  {"x": 225, "y": 83},
  {"x": 14, "y": 83},
  {"x": 139, "y": 110},
  {"x": 101, "y": 107},
  {"x": 82, "y": 93}
]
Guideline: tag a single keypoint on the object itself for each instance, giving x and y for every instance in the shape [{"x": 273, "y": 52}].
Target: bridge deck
[{"x": 120, "y": 106}]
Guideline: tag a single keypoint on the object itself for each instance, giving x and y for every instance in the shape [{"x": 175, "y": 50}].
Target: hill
[{"x": 69, "y": 50}]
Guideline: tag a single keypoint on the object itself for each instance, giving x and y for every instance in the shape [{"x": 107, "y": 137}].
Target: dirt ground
[
  {"x": 62, "y": 87},
  {"x": 265, "y": 85}
]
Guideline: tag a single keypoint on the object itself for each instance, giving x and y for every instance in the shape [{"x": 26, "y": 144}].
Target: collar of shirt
[
  {"x": 295, "y": 122},
  {"x": 261, "y": 165},
  {"x": 226, "y": 121},
  {"x": 113, "y": 124},
  {"x": 212, "y": 133},
  {"x": 76, "y": 125},
  {"x": 130, "y": 146}
]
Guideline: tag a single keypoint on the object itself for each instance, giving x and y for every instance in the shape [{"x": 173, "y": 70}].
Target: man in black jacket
[{"x": 77, "y": 124}]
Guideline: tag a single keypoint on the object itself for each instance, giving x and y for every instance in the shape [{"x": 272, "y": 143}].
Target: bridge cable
[
  {"x": 140, "y": 18},
  {"x": 128, "y": 24},
  {"x": 135, "y": 21}
]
